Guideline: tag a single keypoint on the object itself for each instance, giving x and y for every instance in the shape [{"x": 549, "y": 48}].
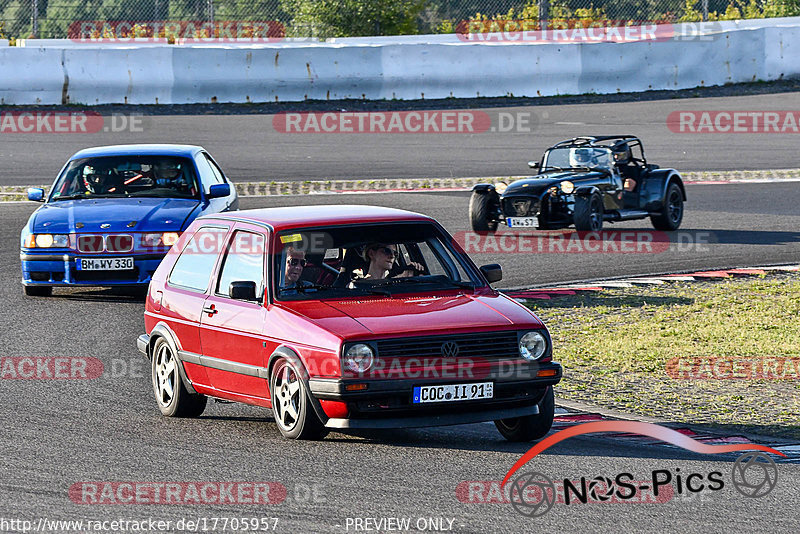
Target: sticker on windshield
[{"x": 293, "y": 238}]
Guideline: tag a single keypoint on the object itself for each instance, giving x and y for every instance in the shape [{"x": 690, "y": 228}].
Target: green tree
[
  {"x": 16, "y": 16},
  {"x": 352, "y": 18},
  {"x": 60, "y": 15}
]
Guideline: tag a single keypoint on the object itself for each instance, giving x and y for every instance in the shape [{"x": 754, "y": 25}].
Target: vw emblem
[
  {"x": 105, "y": 225},
  {"x": 450, "y": 349}
]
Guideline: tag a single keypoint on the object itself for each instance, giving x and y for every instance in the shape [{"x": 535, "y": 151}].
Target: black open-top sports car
[{"x": 583, "y": 181}]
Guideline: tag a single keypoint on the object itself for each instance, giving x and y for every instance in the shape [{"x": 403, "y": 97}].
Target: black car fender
[
  {"x": 586, "y": 191},
  {"x": 485, "y": 189},
  {"x": 654, "y": 188}
]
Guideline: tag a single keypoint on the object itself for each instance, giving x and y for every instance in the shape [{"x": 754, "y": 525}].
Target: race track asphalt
[{"x": 249, "y": 148}]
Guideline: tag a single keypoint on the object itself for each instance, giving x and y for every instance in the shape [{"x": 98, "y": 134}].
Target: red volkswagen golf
[{"x": 343, "y": 317}]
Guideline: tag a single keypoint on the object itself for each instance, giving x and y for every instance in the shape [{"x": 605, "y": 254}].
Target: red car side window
[
  {"x": 194, "y": 266},
  {"x": 244, "y": 262}
]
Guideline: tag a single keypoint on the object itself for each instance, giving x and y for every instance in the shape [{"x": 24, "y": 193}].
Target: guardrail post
[
  {"x": 544, "y": 8},
  {"x": 35, "y": 18}
]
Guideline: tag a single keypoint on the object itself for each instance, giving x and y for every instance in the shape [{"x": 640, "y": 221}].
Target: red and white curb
[
  {"x": 565, "y": 419},
  {"x": 600, "y": 285}
]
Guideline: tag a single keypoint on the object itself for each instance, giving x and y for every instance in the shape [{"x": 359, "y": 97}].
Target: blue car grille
[{"x": 93, "y": 244}]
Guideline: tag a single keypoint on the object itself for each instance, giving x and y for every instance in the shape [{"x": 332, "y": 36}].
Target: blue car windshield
[{"x": 127, "y": 176}]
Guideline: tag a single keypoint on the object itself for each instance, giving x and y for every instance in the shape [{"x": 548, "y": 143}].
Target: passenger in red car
[{"x": 381, "y": 258}]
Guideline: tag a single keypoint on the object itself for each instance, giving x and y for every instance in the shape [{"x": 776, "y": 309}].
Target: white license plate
[
  {"x": 453, "y": 392},
  {"x": 522, "y": 222},
  {"x": 104, "y": 264}
]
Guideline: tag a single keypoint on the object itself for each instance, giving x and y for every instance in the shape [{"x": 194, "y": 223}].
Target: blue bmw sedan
[{"x": 113, "y": 213}]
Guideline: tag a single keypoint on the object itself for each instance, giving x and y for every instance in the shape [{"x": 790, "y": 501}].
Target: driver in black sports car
[{"x": 589, "y": 157}]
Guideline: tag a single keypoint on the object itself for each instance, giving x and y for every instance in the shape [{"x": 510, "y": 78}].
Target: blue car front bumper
[{"x": 60, "y": 269}]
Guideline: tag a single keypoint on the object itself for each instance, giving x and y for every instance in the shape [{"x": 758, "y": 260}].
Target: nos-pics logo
[{"x": 533, "y": 494}]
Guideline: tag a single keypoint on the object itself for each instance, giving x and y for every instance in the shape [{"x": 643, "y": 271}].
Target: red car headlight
[{"x": 359, "y": 358}]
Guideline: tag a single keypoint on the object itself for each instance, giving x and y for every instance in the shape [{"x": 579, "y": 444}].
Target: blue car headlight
[
  {"x": 166, "y": 239},
  {"x": 29, "y": 240}
]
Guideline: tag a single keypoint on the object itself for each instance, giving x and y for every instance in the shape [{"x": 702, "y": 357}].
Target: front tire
[
  {"x": 173, "y": 399},
  {"x": 672, "y": 213},
  {"x": 37, "y": 291},
  {"x": 290, "y": 404},
  {"x": 480, "y": 213},
  {"x": 588, "y": 214},
  {"x": 530, "y": 427}
]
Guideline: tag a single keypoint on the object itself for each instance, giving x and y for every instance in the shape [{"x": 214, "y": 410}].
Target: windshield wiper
[
  {"x": 69, "y": 197},
  {"x": 396, "y": 281},
  {"x": 582, "y": 168},
  {"x": 306, "y": 287}
]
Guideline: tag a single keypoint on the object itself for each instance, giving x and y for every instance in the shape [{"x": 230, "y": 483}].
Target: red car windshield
[
  {"x": 367, "y": 259},
  {"x": 127, "y": 176}
]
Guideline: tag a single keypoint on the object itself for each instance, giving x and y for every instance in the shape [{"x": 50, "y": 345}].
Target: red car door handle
[{"x": 211, "y": 310}]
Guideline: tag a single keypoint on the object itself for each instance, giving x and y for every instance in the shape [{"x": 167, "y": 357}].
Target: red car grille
[
  {"x": 90, "y": 243},
  {"x": 119, "y": 243},
  {"x": 493, "y": 345}
]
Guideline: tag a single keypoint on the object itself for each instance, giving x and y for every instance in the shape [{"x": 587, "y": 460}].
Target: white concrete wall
[{"x": 390, "y": 69}]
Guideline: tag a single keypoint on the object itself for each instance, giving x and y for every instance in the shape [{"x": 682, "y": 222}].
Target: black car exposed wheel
[
  {"x": 672, "y": 213},
  {"x": 588, "y": 213},
  {"x": 480, "y": 213},
  {"x": 174, "y": 400},
  {"x": 38, "y": 291},
  {"x": 290, "y": 404},
  {"x": 530, "y": 427}
]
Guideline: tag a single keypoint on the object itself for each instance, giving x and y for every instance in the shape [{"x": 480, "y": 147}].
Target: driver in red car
[{"x": 295, "y": 263}]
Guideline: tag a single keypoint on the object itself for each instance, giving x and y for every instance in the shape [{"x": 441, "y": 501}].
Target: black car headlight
[{"x": 532, "y": 345}]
